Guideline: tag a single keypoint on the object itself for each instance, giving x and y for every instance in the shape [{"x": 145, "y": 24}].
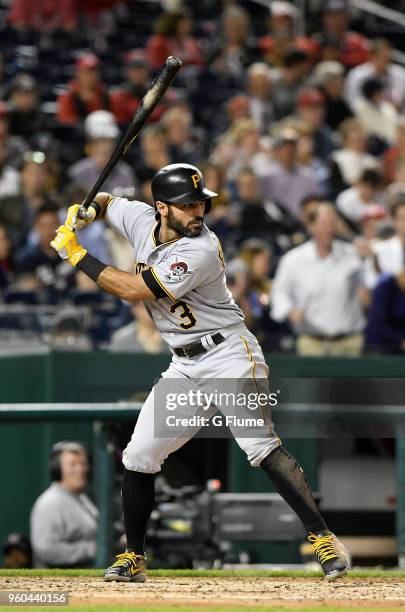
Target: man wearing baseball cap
[
  {"x": 311, "y": 109},
  {"x": 282, "y": 33},
  {"x": 335, "y": 41},
  {"x": 101, "y": 133},
  {"x": 86, "y": 92},
  {"x": 25, "y": 116}
]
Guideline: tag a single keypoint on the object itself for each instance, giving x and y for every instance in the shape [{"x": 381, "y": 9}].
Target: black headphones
[{"x": 56, "y": 451}]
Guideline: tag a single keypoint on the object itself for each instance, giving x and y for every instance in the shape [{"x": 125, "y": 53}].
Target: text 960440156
[{"x": 34, "y": 598}]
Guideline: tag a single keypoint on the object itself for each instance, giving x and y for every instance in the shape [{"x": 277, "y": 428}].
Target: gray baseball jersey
[
  {"x": 187, "y": 275},
  {"x": 188, "y": 279}
]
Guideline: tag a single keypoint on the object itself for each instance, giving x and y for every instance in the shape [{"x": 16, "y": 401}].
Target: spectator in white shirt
[
  {"x": 374, "y": 224},
  {"x": 381, "y": 67},
  {"x": 389, "y": 255},
  {"x": 259, "y": 89},
  {"x": 10, "y": 182},
  {"x": 353, "y": 202},
  {"x": 378, "y": 116},
  {"x": 317, "y": 288},
  {"x": 349, "y": 163}
]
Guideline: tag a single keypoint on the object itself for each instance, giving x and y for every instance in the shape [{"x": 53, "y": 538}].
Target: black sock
[
  {"x": 290, "y": 482},
  {"x": 138, "y": 497}
]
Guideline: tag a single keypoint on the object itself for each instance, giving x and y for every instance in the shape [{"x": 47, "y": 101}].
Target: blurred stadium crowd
[{"x": 302, "y": 136}]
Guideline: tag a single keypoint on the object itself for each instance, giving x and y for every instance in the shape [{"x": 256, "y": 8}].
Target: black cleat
[
  {"x": 129, "y": 567},
  {"x": 330, "y": 553}
]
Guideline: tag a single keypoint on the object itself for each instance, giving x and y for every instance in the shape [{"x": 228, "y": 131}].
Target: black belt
[
  {"x": 336, "y": 337},
  {"x": 197, "y": 348}
]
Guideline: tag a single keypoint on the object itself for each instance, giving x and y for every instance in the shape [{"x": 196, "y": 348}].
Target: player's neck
[{"x": 165, "y": 234}]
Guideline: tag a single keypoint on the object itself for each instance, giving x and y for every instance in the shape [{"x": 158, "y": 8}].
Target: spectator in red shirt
[
  {"x": 86, "y": 93},
  {"x": 126, "y": 99},
  {"x": 335, "y": 42},
  {"x": 282, "y": 35},
  {"x": 94, "y": 10},
  {"x": 173, "y": 37},
  {"x": 43, "y": 16}
]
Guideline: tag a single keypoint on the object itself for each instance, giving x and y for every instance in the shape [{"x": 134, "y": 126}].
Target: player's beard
[{"x": 189, "y": 230}]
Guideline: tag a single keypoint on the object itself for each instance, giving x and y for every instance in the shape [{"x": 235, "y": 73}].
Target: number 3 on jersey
[{"x": 185, "y": 313}]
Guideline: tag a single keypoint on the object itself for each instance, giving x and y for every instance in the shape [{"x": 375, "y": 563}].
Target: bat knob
[{"x": 84, "y": 214}]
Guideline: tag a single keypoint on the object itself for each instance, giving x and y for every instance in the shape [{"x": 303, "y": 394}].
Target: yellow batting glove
[
  {"x": 66, "y": 245},
  {"x": 73, "y": 221}
]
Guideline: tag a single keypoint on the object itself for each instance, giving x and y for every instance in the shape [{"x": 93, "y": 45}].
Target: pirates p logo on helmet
[{"x": 196, "y": 179}]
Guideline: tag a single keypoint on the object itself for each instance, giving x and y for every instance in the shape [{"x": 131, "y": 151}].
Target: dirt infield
[{"x": 213, "y": 592}]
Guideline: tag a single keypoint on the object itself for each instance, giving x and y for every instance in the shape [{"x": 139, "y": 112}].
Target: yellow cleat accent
[
  {"x": 330, "y": 553},
  {"x": 323, "y": 547},
  {"x": 129, "y": 567}
]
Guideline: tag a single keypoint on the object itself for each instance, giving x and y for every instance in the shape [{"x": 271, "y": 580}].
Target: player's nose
[{"x": 199, "y": 207}]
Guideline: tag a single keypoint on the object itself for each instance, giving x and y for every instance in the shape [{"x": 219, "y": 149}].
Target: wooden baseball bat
[{"x": 146, "y": 107}]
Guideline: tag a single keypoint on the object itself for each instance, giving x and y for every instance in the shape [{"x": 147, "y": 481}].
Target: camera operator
[{"x": 63, "y": 518}]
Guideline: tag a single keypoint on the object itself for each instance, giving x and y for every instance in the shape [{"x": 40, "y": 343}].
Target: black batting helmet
[{"x": 181, "y": 184}]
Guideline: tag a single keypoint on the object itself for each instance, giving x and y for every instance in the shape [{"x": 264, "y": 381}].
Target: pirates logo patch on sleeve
[{"x": 177, "y": 271}]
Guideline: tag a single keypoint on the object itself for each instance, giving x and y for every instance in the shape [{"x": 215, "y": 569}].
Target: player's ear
[{"x": 162, "y": 208}]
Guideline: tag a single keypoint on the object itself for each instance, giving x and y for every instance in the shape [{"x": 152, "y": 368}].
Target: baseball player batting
[{"x": 180, "y": 276}]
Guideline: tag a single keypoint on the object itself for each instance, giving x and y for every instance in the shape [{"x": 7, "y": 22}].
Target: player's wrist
[
  {"x": 101, "y": 203},
  {"x": 76, "y": 255},
  {"x": 91, "y": 266}
]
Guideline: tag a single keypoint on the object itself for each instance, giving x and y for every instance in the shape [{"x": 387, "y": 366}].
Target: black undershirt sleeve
[{"x": 152, "y": 284}]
